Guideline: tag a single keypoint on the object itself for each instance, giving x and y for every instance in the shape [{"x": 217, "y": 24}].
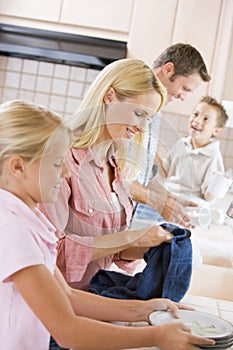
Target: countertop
[{"x": 217, "y": 307}]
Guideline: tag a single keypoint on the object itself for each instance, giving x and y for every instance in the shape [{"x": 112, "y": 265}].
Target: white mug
[
  {"x": 200, "y": 216},
  {"x": 219, "y": 184}
]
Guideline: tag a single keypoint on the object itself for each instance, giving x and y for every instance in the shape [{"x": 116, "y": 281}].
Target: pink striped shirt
[{"x": 84, "y": 210}]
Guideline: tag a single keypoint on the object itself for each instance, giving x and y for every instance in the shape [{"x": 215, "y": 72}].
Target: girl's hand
[{"x": 180, "y": 335}]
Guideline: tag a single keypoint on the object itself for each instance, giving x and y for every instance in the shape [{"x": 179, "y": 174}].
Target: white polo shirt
[{"x": 189, "y": 170}]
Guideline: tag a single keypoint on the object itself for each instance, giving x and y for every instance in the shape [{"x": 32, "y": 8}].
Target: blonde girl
[{"x": 34, "y": 298}]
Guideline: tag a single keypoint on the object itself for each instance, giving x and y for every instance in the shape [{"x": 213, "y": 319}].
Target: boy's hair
[
  {"x": 186, "y": 59},
  {"x": 222, "y": 116}
]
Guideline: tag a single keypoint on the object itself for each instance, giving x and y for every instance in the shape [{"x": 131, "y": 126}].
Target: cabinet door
[
  {"x": 222, "y": 72},
  {"x": 44, "y": 10},
  {"x": 196, "y": 23},
  {"x": 104, "y": 14},
  {"x": 151, "y": 28}
]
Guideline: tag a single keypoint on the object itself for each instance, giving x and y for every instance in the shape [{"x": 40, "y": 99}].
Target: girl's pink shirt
[
  {"x": 26, "y": 239},
  {"x": 84, "y": 210}
]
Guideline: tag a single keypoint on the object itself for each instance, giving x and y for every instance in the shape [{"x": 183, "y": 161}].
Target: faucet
[{"x": 230, "y": 210}]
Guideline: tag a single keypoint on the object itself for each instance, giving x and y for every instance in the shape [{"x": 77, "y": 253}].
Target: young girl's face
[
  {"x": 127, "y": 118},
  {"x": 203, "y": 123},
  {"x": 45, "y": 174}
]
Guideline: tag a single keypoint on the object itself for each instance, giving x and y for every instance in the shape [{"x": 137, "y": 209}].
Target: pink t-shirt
[{"x": 26, "y": 239}]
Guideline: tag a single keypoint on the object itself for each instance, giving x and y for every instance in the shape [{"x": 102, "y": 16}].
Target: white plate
[{"x": 200, "y": 323}]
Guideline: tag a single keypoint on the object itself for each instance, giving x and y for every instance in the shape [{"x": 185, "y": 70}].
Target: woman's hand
[{"x": 152, "y": 237}]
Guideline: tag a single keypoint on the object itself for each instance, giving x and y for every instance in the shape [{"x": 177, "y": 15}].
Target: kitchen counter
[{"x": 217, "y": 307}]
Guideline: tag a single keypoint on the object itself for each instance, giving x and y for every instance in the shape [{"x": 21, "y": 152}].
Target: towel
[{"x": 166, "y": 275}]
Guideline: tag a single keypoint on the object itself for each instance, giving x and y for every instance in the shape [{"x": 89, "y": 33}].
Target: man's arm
[{"x": 161, "y": 200}]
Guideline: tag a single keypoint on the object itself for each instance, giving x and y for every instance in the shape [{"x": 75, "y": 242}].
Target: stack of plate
[{"x": 201, "y": 324}]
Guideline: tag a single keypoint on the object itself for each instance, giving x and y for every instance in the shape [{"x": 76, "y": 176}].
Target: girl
[{"x": 34, "y": 298}]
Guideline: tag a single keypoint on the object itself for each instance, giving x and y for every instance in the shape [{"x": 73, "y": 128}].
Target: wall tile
[
  {"x": 3, "y": 62},
  {"x": 9, "y": 94},
  {"x": 26, "y": 95},
  {"x": 28, "y": 82},
  {"x": 43, "y": 84},
  {"x": 75, "y": 89},
  {"x": 229, "y": 152},
  {"x": 30, "y": 66},
  {"x": 62, "y": 71},
  {"x": 2, "y": 76},
  {"x": 57, "y": 103},
  {"x": 12, "y": 79},
  {"x": 78, "y": 73},
  {"x": 41, "y": 98},
  {"x": 91, "y": 75},
  {"x": 59, "y": 86},
  {"x": 46, "y": 68},
  {"x": 14, "y": 64},
  {"x": 72, "y": 105}
]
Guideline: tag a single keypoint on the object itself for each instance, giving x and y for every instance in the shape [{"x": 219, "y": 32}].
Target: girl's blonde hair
[
  {"x": 25, "y": 129},
  {"x": 129, "y": 78}
]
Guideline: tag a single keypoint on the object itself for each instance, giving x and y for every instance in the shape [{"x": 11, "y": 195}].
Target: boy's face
[{"x": 203, "y": 123}]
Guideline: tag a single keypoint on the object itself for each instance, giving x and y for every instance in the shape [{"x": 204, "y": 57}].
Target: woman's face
[{"x": 124, "y": 119}]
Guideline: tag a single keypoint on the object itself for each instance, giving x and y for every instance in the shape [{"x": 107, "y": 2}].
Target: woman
[{"x": 95, "y": 203}]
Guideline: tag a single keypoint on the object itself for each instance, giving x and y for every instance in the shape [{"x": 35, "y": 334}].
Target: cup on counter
[
  {"x": 200, "y": 216},
  {"x": 219, "y": 184}
]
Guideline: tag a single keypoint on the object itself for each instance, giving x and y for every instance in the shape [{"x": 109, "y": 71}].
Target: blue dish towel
[{"x": 166, "y": 275}]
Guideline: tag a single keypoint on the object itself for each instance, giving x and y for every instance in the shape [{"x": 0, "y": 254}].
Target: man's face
[{"x": 179, "y": 86}]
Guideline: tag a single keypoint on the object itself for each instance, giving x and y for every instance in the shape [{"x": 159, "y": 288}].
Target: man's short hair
[{"x": 187, "y": 60}]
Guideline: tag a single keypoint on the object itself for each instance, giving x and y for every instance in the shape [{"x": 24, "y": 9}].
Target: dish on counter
[{"x": 201, "y": 324}]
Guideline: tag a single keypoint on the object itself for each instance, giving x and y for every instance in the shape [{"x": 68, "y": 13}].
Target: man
[{"x": 181, "y": 69}]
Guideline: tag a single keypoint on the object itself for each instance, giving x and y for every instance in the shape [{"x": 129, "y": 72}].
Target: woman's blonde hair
[
  {"x": 25, "y": 129},
  {"x": 129, "y": 78}
]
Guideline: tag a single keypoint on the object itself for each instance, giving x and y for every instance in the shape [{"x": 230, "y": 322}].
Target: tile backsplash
[
  {"x": 56, "y": 86},
  {"x": 62, "y": 87}
]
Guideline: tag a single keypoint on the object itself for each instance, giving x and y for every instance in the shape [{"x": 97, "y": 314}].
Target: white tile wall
[
  {"x": 56, "y": 86},
  {"x": 62, "y": 88}
]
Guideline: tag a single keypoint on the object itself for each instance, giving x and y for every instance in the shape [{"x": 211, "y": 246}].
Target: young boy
[{"x": 193, "y": 159}]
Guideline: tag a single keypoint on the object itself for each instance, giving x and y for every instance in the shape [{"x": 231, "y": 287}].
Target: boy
[{"x": 193, "y": 159}]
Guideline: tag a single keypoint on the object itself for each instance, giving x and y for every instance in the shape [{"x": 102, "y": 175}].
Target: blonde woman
[{"x": 94, "y": 206}]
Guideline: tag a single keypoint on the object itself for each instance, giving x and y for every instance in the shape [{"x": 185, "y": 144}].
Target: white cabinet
[
  {"x": 190, "y": 16},
  {"x": 110, "y": 19},
  {"x": 112, "y": 15},
  {"x": 44, "y": 10},
  {"x": 151, "y": 28}
]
